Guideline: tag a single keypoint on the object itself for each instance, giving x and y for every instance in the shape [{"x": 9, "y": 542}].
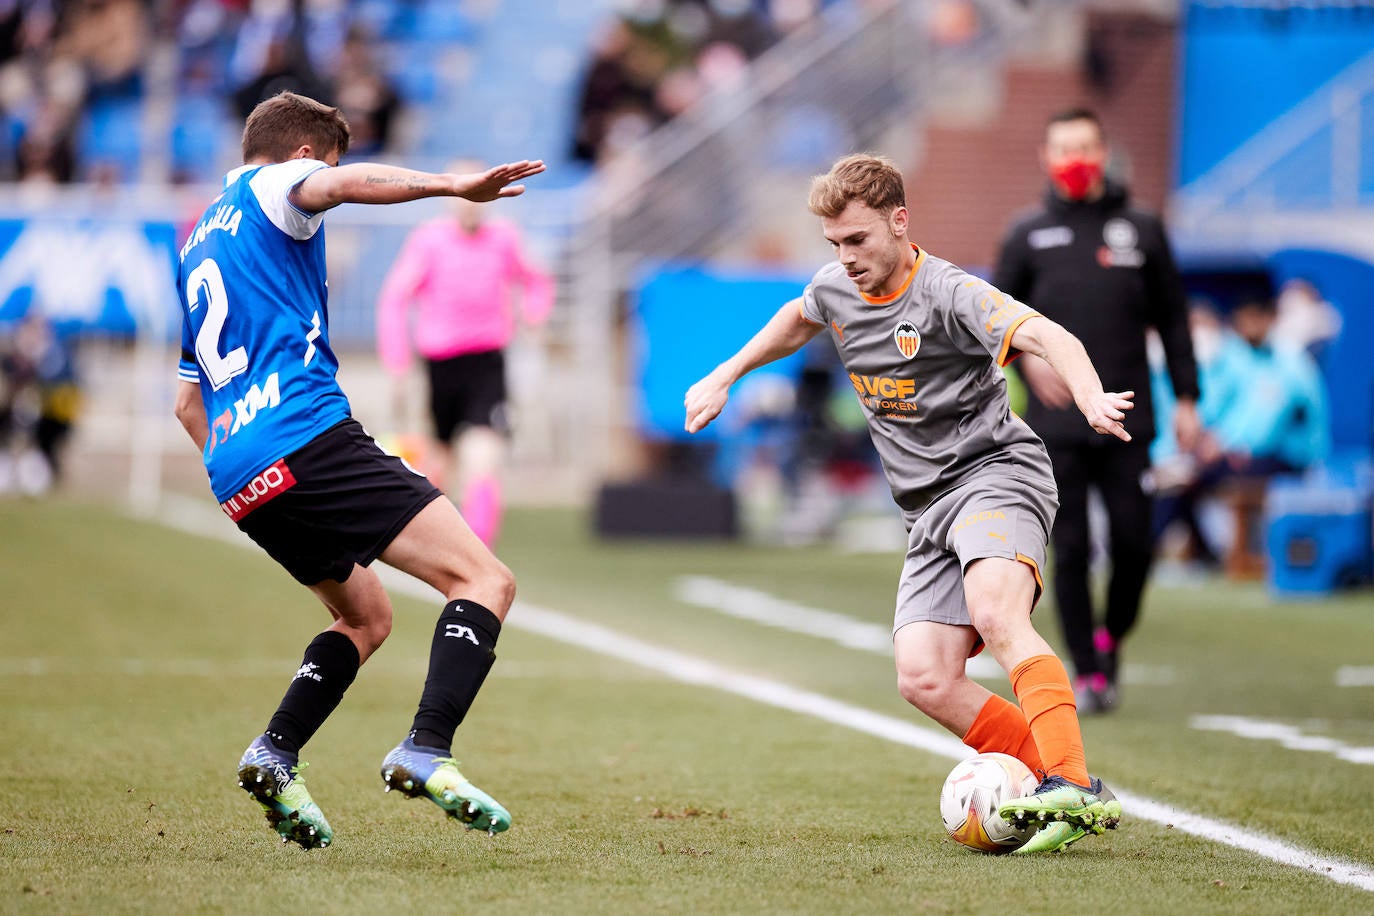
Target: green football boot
[
  {"x": 1111, "y": 809},
  {"x": 418, "y": 772},
  {"x": 1057, "y": 799},
  {"x": 273, "y": 778},
  {"x": 1053, "y": 837}
]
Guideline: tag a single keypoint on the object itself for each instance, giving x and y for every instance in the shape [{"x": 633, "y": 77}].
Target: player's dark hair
[
  {"x": 1079, "y": 113},
  {"x": 873, "y": 179},
  {"x": 284, "y": 123}
]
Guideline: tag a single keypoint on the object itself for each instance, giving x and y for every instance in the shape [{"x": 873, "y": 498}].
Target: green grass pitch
[{"x": 137, "y": 661}]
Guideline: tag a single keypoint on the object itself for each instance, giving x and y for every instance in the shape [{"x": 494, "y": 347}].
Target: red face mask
[{"x": 1074, "y": 177}]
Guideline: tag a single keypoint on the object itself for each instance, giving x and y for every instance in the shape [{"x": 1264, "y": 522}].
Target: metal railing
[{"x": 1304, "y": 168}]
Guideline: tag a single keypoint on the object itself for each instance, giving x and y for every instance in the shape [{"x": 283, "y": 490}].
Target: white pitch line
[
  {"x": 1286, "y": 735},
  {"x": 757, "y": 606},
  {"x": 690, "y": 669},
  {"x": 1355, "y": 676},
  {"x": 744, "y": 603}
]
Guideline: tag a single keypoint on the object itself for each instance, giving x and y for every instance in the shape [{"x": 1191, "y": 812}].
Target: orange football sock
[
  {"x": 1042, "y": 685},
  {"x": 1002, "y": 727}
]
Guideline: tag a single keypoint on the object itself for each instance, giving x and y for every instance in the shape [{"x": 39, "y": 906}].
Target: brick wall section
[{"x": 972, "y": 180}]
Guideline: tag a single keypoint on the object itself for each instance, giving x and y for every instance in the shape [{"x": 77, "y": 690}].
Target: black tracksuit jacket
[{"x": 1104, "y": 271}]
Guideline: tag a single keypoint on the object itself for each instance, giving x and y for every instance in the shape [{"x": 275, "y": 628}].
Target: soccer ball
[{"x": 970, "y": 798}]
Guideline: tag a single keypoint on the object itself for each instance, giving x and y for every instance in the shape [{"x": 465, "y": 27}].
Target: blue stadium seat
[
  {"x": 201, "y": 128},
  {"x": 1318, "y": 530},
  {"x": 519, "y": 98},
  {"x": 111, "y": 133}
]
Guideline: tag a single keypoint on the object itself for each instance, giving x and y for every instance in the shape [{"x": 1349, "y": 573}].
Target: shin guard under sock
[
  {"x": 1001, "y": 727},
  {"x": 1042, "y": 685},
  {"x": 328, "y": 668},
  {"x": 462, "y": 653}
]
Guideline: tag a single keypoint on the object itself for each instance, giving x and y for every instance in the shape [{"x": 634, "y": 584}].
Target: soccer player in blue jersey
[{"x": 298, "y": 475}]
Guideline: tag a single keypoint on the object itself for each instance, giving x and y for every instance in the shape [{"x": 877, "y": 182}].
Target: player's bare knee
[
  {"x": 373, "y": 629},
  {"x": 925, "y": 689},
  {"x": 501, "y": 581},
  {"x": 380, "y": 628},
  {"x": 993, "y": 623},
  {"x": 488, "y": 582}
]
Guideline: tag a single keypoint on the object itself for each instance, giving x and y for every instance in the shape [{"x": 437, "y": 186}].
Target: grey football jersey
[{"x": 925, "y": 364}]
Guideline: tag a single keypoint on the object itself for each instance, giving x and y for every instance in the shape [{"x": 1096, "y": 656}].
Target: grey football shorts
[{"x": 991, "y": 515}]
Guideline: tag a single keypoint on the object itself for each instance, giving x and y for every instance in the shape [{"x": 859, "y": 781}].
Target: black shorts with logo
[
  {"x": 337, "y": 501},
  {"x": 467, "y": 390}
]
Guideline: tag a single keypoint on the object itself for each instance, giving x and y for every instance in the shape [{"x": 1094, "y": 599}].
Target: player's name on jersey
[{"x": 226, "y": 217}]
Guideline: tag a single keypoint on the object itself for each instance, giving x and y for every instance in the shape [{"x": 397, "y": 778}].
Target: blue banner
[
  {"x": 685, "y": 322},
  {"x": 91, "y": 276}
]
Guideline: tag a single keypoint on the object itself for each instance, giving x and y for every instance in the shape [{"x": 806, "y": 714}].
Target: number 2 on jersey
[{"x": 206, "y": 281}]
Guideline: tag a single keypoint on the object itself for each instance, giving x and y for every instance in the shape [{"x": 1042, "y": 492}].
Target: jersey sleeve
[
  {"x": 187, "y": 369},
  {"x": 272, "y": 186},
  {"x": 810, "y": 307},
  {"x": 989, "y": 316}
]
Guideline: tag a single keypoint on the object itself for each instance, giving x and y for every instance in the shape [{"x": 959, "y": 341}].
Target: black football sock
[
  {"x": 462, "y": 653},
  {"x": 329, "y": 666}
]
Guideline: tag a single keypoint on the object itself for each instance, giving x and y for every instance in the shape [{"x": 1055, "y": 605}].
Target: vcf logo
[{"x": 908, "y": 338}]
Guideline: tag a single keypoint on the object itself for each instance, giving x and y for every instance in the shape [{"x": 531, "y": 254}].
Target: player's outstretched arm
[
  {"x": 374, "y": 183},
  {"x": 784, "y": 334},
  {"x": 1104, "y": 410}
]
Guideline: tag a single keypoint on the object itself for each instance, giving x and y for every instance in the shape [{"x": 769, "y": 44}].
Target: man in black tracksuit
[{"x": 1104, "y": 271}]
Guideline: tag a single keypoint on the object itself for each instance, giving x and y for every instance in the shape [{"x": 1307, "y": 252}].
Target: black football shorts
[
  {"x": 337, "y": 501},
  {"x": 467, "y": 390}
]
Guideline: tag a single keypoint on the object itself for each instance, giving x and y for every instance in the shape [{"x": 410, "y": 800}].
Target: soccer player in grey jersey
[{"x": 923, "y": 343}]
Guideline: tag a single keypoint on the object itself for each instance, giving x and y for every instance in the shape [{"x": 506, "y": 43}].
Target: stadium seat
[{"x": 1318, "y": 535}]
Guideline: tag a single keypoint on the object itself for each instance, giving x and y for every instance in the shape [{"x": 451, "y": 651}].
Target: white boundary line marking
[
  {"x": 1287, "y": 736},
  {"x": 758, "y": 606},
  {"x": 193, "y": 518},
  {"x": 745, "y": 603},
  {"x": 1355, "y": 676}
]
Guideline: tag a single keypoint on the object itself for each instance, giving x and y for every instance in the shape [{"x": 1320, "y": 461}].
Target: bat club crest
[{"x": 908, "y": 338}]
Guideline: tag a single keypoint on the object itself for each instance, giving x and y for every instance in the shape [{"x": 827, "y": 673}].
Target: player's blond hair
[
  {"x": 284, "y": 123},
  {"x": 868, "y": 177}
]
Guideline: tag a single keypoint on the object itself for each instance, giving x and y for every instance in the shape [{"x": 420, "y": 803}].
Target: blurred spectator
[
  {"x": 449, "y": 297},
  {"x": 365, "y": 96},
  {"x": 1264, "y": 412},
  {"x": 47, "y": 148},
  {"x": 659, "y": 58},
  {"x": 109, "y": 39},
  {"x": 618, "y": 96},
  {"x": 1268, "y": 414},
  {"x": 312, "y": 31},
  {"x": 39, "y": 401},
  {"x": 1173, "y": 469},
  {"x": 284, "y": 69},
  {"x": 41, "y": 94},
  {"x": 1306, "y": 321}
]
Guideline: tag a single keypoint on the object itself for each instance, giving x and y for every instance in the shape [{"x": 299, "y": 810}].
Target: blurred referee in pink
[{"x": 452, "y": 298}]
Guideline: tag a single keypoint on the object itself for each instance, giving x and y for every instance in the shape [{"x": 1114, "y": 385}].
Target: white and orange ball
[{"x": 972, "y": 793}]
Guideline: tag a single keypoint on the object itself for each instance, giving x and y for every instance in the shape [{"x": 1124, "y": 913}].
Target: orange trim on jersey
[
  {"x": 883, "y": 300},
  {"x": 801, "y": 306},
  {"x": 1002, "y": 358},
  {"x": 1035, "y": 571}
]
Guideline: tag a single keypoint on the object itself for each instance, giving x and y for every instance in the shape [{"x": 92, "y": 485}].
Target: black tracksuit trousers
[{"x": 1115, "y": 469}]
